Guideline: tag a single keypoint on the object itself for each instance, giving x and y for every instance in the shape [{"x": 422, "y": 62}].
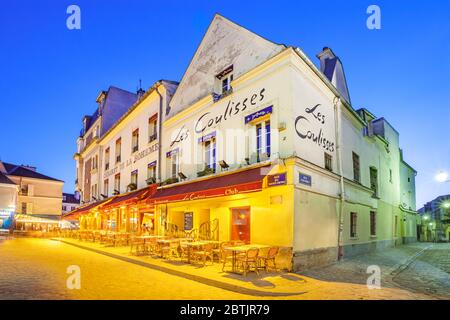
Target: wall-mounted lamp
[{"x": 223, "y": 165}]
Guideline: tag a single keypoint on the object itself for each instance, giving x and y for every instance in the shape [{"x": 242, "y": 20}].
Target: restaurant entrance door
[{"x": 240, "y": 224}]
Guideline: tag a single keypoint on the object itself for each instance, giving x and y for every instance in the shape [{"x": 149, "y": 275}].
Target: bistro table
[
  {"x": 195, "y": 244},
  {"x": 241, "y": 249},
  {"x": 165, "y": 242}
]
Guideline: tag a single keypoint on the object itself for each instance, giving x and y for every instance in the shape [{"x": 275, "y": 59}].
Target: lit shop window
[
  {"x": 106, "y": 187},
  {"x": 107, "y": 158},
  {"x": 135, "y": 141},
  {"x": 117, "y": 183},
  {"x": 263, "y": 140},
  {"x": 153, "y": 128},
  {"x": 118, "y": 149}
]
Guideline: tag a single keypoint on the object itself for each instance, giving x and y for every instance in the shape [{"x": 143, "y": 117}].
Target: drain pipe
[
  {"x": 337, "y": 125},
  {"x": 159, "y": 130}
]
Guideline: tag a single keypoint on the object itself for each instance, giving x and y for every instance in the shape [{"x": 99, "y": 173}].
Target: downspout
[
  {"x": 337, "y": 125},
  {"x": 159, "y": 129}
]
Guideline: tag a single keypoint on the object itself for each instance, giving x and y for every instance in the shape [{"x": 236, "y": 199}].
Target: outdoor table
[
  {"x": 241, "y": 249},
  {"x": 165, "y": 242},
  {"x": 193, "y": 244}
]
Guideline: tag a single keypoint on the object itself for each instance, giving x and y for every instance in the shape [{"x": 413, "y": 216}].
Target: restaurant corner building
[{"x": 258, "y": 144}]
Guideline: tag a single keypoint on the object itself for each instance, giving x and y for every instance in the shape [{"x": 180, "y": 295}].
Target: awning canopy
[
  {"x": 26, "y": 218},
  {"x": 132, "y": 197},
  {"x": 84, "y": 209},
  {"x": 235, "y": 183}
]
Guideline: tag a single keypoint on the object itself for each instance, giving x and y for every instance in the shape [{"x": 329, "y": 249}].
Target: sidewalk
[{"x": 282, "y": 285}]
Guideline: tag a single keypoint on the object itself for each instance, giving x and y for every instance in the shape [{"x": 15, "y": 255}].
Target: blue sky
[{"x": 50, "y": 76}]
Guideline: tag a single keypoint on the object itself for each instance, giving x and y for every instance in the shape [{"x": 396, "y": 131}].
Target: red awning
[
  {"x": 131, "y": 197},
  {"x": 83, "y": 210},
  {"x": 236, "y": 183}
]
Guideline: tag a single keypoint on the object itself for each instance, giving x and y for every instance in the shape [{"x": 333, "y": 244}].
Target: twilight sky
[{"x": 50, "y": 76}]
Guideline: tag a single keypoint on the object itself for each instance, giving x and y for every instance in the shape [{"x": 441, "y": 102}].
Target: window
[
  {"x": 24, "y": 208},
  {"x": 107, "y": 159},
  {"x": 395, "y": 225},
  {"x": 135, "y": 141},
  {"x": 210, "y": 154},
  {"x": 409, "y": 179},
  {"x": 374, "y": 180},
  {"x": 151, "y": 173},
  {"x": 106, "y": 187},
  {"x": 134, "y": 177},
  {"x": 226, "y": 83},
  {"x": 353, "y": 224},
  {"x": 95, "y": 162},
  {"x": 223, "y": 81},
  {"x": 263, "y": 140},
  {"x": 356, "y": 170},
  {"x": 174, "y": 165},
  {"x": 64, "y": 208},
  {"x": 152, "y": 128},
  {"x": 373, "y": 223},
  {"x": 117, "y": 183},
  {"x": 118, "y": 149},
  {"x": 390, "y": 175},
  {"x": 24, "y": 189},
  {"x": 328, "y": 162},
  {"x": 94, "y": 192}
]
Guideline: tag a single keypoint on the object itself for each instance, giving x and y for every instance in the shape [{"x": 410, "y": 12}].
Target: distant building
[
  {"x": 112, "y": 105},
  {"x": 70, "y": 202},
  {"x": 36, "y": 194},
  {"x": 434, "y": 219},
  {"x": 8, "y": 199}
]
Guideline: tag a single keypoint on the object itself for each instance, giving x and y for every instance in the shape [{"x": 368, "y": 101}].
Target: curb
[{"x": 200, "y": 279}]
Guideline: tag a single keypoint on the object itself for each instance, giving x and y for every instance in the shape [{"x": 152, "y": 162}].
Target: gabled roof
[
  {"x": 225, "y": 43},
  {"x": 70, "y": 198},
  {"x": 4, "y": 179},
  {"x": 22, "y": 171}
]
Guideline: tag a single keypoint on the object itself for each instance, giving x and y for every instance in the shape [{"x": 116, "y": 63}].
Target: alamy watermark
[
  {"x": 374, "y": 280},
  {"x": 73, "y": 21},
  {"x": 374, "y": 20},
  {"x": 73, "y": 281}
]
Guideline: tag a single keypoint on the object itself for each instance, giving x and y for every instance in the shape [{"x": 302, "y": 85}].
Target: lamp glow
[{"x": 442, "y": 176}]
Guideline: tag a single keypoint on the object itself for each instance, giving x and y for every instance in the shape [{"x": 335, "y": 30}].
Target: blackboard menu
[{"x": 188, "y": 221}]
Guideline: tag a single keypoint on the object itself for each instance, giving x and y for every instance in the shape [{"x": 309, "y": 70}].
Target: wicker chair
[
  {"x": 249, "y": 259},
  {"x": 205, "y": 253},
  {"x": 265, "y": 261}
]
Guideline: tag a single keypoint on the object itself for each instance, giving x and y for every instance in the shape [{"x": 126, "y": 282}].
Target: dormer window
[
  {"x": 223, "y": 81},
  {"x": 226, "y": 83}
]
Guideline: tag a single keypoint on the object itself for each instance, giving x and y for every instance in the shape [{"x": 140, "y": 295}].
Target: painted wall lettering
[{"x": 306, "y": 128}]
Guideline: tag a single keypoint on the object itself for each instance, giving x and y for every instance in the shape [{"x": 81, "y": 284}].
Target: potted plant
[
  {"x": 206, "y": 171},
  {"x": 151, "y": 180},
  {"x": 131, "y": 187}
]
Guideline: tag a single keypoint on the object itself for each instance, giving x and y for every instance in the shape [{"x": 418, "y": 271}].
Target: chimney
[
  {"x": 29, "y": 167},
  {"x": 331, "y": 66}
]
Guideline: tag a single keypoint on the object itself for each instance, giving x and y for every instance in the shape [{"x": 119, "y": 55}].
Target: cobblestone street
[
  {"x": 418, "y": 267},
  {"x": 36, "y": 269}
]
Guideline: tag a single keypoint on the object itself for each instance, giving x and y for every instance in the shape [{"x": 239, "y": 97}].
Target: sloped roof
[
  {"x": 4, "y": 179},
  {"x": 21, "y": 171},
  {"x": 224, "y": 44},
  {"x": 70, "y": 198}
]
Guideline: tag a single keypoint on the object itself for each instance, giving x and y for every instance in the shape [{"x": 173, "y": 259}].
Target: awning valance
[
  {"x": 85, "y": 209},
  {"x": 132, "y": 197},
  {"x": 231, "y": 184}
]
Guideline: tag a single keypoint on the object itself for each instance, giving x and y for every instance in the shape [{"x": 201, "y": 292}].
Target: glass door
[{"x": 240, "y": 224}]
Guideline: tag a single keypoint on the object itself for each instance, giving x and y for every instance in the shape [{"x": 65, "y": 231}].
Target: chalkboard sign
[{"x": 188, "y": 221}]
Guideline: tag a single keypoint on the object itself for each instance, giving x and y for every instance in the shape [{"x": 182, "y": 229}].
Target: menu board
[{"x": 188, "y": 221}]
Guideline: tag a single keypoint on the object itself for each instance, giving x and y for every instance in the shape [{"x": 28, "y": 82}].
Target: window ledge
[
  {"x": 354, "y": 238},
  {"x": 373, "y": 237}
]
